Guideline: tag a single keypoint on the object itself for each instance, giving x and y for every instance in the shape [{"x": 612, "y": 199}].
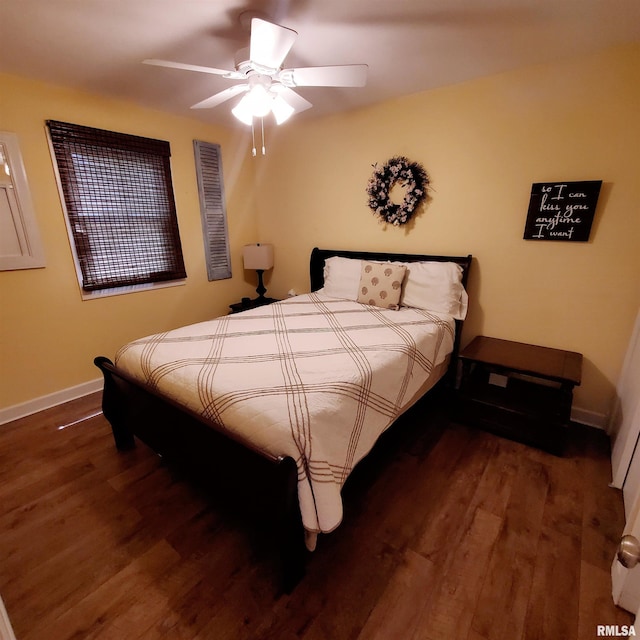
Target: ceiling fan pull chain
[
  {"x": 264, "y": 150},
  {"x": 253, "y": 138}
]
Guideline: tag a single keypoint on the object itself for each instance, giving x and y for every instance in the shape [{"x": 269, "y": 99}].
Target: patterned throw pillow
[{"x": 381, "y": 284}]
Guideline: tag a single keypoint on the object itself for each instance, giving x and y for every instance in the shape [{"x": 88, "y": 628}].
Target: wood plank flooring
[{"x": 449, "y": 533}]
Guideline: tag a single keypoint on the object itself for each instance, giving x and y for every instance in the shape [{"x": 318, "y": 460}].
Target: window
[
  {"x": 20, "y": 246},
  {"x": 119, "y": 205}
]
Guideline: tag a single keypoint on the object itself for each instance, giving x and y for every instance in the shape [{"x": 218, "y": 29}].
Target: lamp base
[{"x": 261, "y": 289}]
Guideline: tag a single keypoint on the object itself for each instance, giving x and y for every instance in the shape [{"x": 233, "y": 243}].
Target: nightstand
[
  {"x": 248, "y": 303},
  {"x": 519, "y": 391}
]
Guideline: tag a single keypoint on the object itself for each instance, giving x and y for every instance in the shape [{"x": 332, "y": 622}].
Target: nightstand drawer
[
  {"x": 519, "y": 391},
  {"x": 531, "y": 430}
]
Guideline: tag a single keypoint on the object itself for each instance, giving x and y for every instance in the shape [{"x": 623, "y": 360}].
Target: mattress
[{"x": 313, "y": 377}]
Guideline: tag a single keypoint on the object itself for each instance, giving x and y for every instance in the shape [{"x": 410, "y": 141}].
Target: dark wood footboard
[{"x": 184, "y": 438}]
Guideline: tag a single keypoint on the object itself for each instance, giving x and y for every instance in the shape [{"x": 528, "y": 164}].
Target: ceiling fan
[{"x": 267, "y": 87}]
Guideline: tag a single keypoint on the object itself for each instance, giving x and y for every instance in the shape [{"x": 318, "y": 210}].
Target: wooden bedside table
[
  {"x": 520, "y": 391},
  {"x": 248, "y": 303}
]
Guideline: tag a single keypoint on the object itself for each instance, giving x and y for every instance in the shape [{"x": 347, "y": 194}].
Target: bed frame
[{"x": 182, "y": 436}]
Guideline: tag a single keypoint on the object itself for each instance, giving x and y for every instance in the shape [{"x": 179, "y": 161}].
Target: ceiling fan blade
[
  {"x": 291, "y": 97},
  {"x": 221, "y": 97},
  {"x": 193, "y": 67},
  {"x": 270, "y": 43},
  {"x": 347, "y": 75}
]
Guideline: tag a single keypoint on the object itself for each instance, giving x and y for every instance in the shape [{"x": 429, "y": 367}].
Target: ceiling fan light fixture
[
  {"x": 260, "y": 99},
  {"x": 282, "y": 110},
  {"x": 242, "y": 111},
  {"x": 256, "y": 103}
]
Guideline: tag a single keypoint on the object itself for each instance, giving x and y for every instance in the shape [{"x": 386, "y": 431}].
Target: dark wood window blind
[
  {"x": 208, "y": 160},
  {"x": 119, "y": 201}
]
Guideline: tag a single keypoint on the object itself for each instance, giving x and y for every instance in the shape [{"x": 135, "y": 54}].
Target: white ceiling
[{"x": 409, "y": 45}]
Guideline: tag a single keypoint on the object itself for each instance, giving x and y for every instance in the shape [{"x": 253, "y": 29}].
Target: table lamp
[{"x": 259, "y": 257}]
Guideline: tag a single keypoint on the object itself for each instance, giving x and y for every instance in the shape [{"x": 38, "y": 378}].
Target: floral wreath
[{"x": 410, "y": 175}]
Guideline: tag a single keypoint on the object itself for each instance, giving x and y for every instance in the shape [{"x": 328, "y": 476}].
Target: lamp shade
[{"x": 258, "y": 256}]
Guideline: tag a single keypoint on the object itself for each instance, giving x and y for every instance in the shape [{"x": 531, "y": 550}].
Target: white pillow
[
  {"x": 435, "y": 286},
  {"x": 342, "y": 277}
]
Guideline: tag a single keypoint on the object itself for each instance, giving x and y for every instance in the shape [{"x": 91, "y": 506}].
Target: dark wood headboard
[
  {"x": 316, "y": 272},
  {"x": 318, "y": 256}
]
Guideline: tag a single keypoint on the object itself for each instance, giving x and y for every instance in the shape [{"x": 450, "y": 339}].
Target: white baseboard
[
  {"x": 590, "y": 418},
  {"x": 51, "y": 400}
]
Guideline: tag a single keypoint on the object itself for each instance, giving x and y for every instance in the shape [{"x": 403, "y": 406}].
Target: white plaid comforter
[{"x": 312, "y": 377}]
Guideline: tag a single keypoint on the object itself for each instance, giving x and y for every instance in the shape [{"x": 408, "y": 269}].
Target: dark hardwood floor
[{"x": 449, "y": 533}]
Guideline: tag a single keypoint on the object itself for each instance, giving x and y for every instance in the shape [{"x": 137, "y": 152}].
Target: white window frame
[{"x": 18, "y": 224}]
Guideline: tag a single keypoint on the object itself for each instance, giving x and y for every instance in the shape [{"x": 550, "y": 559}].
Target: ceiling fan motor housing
[{"x": 244, "y": 64}]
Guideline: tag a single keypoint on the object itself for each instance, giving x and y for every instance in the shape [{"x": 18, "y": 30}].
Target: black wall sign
[{"x": 562, "y": 210}]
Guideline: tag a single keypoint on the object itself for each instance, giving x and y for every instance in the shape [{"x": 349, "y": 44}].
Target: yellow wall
[
  {"x": 48, "y": 335},
  {"x": 484, "y": 143}
]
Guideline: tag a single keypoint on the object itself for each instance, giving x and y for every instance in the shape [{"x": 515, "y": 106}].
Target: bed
[{"x": 294, "y": 394}]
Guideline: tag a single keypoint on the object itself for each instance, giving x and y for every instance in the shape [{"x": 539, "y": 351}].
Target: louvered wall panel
[{"x": 213, "y": 209}]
